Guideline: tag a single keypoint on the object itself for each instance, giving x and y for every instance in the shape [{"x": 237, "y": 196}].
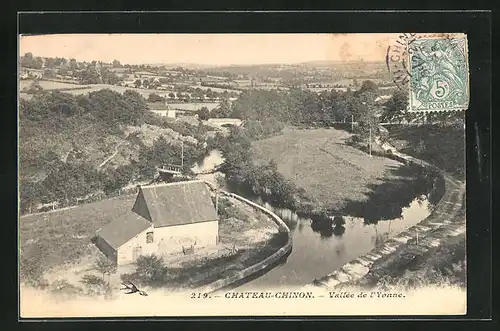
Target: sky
[{"x": 209, "y": 49}]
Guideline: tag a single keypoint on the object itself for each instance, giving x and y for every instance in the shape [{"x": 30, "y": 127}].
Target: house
[
  {"x": 27, "y": 73},
  {"x": 383, "y": 98},
  {"x": 165, "y": 219},
  {"x": 163, "y": 110},
  {"x": 170, "y": 113}
]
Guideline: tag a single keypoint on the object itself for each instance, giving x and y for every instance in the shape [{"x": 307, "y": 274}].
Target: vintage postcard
[{"x": 180, "y": 175}]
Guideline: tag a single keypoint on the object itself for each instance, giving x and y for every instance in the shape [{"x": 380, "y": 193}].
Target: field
[
  {"x": 58, "y": 244},
  {"x": 77, "y": 89},
  {"x": 51, "y": 85},
  {"x": 55, "y": 238},
  {"x": 120, "y": 89},
  {"x": 331, "y": 172},
  {"x": 215, "y": 89},
  {"x": 193, "y": 106}
]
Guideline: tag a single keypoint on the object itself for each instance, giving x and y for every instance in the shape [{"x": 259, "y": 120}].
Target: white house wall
[
  {"x": 125, "y": 252},
  {"x": 170, "y": 239}
]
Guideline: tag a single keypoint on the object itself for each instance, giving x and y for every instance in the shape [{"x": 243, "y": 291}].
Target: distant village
[{"x": 192, "y": 85}]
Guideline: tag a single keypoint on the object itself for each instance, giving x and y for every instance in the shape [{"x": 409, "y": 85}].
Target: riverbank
[
  {"x": 285, "y": 246},
  {"x": 337, "y": 178},
  {"x": 395, "y": 259}
]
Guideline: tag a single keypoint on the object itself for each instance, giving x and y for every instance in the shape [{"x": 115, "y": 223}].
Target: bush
[
  {"x": 153, "y": 97},
  {"x": 150, "y": 269},
  {"x": 204, "y": 114},
  {"x": 105, "y": 266},
  {"x": 235, "y": 212},
  {"x": 95, "y": 285},
  {"x": 355, "y": 139}
]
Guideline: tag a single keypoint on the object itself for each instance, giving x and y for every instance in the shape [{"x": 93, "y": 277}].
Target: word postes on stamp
[{"x": 439, "y": 73}]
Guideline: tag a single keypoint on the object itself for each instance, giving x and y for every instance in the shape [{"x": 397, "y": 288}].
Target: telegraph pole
[
  {"x": 217, "y": 202},
  {"x": 182, "y": 154},
  {"x": 370, "y": 141}
]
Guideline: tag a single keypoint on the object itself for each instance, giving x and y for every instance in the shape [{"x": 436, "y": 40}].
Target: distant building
[
  {"x": 165, "y": 219},
  {"x": 128, "y": 83},
  {"x": 163, "y": 110},
  {"x": 224, "y": 121},
  {"x": 47, "y": 206},
  {"x": 383, "y": 98},
  {"x": 27, "y": 73},
  {"x": 170, "y": 113}
]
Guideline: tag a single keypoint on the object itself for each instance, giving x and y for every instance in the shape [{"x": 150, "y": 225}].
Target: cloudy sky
[{"x": 211, "y": 49}]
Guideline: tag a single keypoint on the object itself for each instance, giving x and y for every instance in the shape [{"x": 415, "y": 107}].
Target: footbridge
[
  {"x": 170, "y": 169},
  {"x": 224, "y": 121}
]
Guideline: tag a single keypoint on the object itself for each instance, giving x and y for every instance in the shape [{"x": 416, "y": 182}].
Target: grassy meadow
[
  {"x": 51, "y": 239},
  {"x": 331, "y": 172}
]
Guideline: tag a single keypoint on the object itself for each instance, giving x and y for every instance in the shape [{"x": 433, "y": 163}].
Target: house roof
[
  {"x": 175, "y": 203},
  {"x": 158, "y": 106},
  {"x": 123, "y": 229}
]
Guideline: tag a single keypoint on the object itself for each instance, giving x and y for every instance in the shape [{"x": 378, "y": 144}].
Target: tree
[
  {"x": 137, "y": 83},
  {"x": 28, "y": 61},
  {"x": 89, "y": 75},
  {"x": 116, "y": 64},
  {"x": 395, "y": 109},
  {"x": 109, "y": 77},
  {"x": 73, "y": 64},
  {"x": 338, "y": 221},
  {"x": 105, "y": 266},
  {"x": 203, "y": 114},
  {"x": 368, "y": 85},
  {"x": 150, "y": 268},
  {"x": 398, "y": 101},
  {"x": 153, "y": 97},
  {"x": 95, "y": 285},
  {"x": 30, "y": 193}
]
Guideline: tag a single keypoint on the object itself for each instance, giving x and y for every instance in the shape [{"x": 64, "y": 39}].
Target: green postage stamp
[{"x": 439, "y": 72}]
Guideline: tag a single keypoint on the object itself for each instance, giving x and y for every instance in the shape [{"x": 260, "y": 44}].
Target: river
[{"x": 318, "y": 250}]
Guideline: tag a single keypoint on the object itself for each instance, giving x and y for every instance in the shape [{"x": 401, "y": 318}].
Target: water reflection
[
  {"x": 324, "y": 229},
  {"x": 388, "y": 200},
  {"x": 338, "y": 230},
  {"x": 323, "y": 243}
]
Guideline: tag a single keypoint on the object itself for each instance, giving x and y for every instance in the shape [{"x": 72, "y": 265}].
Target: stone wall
[{"x": 267, "y": 262}]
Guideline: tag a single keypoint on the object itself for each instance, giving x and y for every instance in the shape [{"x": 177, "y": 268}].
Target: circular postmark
[{"x": 398, "y": 57}]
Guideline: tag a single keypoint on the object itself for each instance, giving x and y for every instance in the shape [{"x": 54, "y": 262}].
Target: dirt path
[{"x": 117, "y": 149}]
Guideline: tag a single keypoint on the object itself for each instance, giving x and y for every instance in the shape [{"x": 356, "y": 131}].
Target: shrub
[
  {"x": 105, "y": 266},
  {"x": 95, "y": 285},
  {"x": 203, "y": 114},
  {"x": 150, "y": 269}
]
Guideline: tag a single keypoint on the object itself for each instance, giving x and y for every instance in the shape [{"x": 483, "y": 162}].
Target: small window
[{"x": 149, "y": 237}]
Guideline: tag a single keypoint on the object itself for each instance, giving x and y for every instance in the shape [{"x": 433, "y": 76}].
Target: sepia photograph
[{"x": 310, "y": 174}]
